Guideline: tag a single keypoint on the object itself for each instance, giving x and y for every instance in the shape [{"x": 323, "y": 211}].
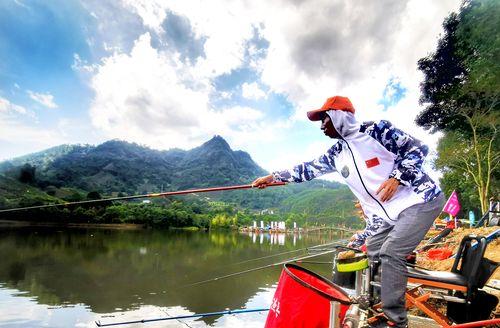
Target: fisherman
[{"x": 382, "y": 166}]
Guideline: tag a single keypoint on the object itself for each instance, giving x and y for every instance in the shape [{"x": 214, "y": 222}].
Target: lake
[{"x": 71, "y": 277}]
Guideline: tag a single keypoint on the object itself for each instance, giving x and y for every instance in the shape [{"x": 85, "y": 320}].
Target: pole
[
  {"x": 201, "y": 315},
  {"x": 161, "y": 194}
]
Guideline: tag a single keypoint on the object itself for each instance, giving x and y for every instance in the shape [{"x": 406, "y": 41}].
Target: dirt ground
[{"x": 452, "y": 241}]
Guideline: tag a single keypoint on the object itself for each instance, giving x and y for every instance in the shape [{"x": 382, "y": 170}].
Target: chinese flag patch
[{"x": 372, "y": 162}]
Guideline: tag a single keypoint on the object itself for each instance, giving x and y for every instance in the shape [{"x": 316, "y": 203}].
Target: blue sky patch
[
  {"x": 394, "y": 91},
  {"x": 38, "y": 41}
]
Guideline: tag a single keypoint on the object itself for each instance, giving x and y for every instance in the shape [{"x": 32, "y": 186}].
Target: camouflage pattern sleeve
[
  {"x": 410, "y": 152},
  {"x": 373, "y": 226},
  {"x": 309, "y": 170}
]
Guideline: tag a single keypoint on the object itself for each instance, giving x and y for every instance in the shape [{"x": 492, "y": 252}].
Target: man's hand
[
  {"x": 263, "y": 182},
  {"x": 360, "y": 210},
  {"x": 346, "y": 255},
  {"x": 388, "y": 189}
]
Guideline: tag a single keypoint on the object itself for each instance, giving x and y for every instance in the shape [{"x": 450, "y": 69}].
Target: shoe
[
  {"x": 387, "y": 324},
  {"x": 381, "y": 321}
]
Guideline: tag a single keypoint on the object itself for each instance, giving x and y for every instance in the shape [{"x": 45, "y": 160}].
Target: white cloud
[
  {"x": 152, "y": 12},
  {"x": 150, "y": 97},
  {"x": 19, "y": 3},
  {"x": 19, "y": 137},
  {"x": 81, "y": 65},
  {"x": 45, "y": 99},
  {"x": 21, "y": 133},
  {"x": 6, "y": 107},
  {"x": 348, "y": 48},
  {"x": 252, "y": 91},
  {"x": 312, "y": 56},
  {"x": 227, "y": 26}
]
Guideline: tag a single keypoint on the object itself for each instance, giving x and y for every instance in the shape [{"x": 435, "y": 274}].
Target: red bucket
[
  {"x": 303, "y": 299},
  {"x": 439, "y": 253}
]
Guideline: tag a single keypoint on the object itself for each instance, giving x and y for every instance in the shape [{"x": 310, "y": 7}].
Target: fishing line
[
  {"x": 287, "y": 252},
  {"x": 201, "y": 315},
  {"x": 314, "y": 262},
  {"x": 293, "y": 259},
  {"x": 283, "y": 253},
  {"x": 230, "y": 275}
]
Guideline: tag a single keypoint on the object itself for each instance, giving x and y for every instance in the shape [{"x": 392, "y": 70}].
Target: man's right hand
[{"x": 263, "y": 182}]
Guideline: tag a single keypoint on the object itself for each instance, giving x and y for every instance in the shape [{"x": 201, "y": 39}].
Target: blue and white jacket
[{"x": 366, "y": 156}]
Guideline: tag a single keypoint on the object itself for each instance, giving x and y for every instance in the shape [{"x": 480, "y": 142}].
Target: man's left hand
[{"x": 388, "y": 189}]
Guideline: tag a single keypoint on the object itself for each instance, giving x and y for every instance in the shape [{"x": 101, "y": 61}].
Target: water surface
[{"x": 58, "y": 277}]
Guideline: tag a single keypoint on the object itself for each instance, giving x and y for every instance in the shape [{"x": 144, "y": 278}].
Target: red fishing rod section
[{"x": 152, "y": 195}]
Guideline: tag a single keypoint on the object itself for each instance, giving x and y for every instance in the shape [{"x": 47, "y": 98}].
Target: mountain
[{"x": 119, "y": 168}]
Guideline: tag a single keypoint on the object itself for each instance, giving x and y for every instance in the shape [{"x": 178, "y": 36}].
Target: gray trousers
[{"x": 392, "y": 245}]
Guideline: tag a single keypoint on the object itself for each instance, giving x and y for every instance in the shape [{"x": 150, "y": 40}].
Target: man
[{"x": 382, "y": 166}]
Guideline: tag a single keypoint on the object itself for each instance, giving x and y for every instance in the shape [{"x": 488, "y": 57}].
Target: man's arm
[{"x": 309, "y": 170}]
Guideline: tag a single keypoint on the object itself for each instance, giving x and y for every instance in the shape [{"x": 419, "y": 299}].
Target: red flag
[{"x": 452, "y": 206}]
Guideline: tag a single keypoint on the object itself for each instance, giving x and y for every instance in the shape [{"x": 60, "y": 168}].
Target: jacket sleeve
[
  {"x": 410, "y": 152},
  {"x": 373, "y": 226},
  {"x": 309, "y": 170}
]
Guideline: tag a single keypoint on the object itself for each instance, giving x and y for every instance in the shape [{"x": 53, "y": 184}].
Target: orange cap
[{"x": 336, "y": 102}]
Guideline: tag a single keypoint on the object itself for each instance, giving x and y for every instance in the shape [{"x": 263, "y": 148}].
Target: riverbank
[
  {"x": 112, "y": 226},
  {"x": 119, "y": 226}
]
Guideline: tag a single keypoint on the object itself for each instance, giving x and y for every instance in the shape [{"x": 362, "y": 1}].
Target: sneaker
[{"x": 383, "y": 322}]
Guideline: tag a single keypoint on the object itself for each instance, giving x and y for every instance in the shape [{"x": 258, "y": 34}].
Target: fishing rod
[
  {"x": 200, "y": 315},
  {"x": 230, "y": 275},
  {"x": 152, "y": 195}
]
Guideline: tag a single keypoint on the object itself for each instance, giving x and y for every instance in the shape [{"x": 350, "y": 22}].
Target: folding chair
[{"x": 467, "y": 305}]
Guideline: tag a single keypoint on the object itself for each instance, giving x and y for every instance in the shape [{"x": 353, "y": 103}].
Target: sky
[{"x": 172, "y": 74}]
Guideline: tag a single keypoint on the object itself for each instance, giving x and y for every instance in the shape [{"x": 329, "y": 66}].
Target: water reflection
[
  {"x": 274, "y": 238},
  {"x": 70, "y": 277}
]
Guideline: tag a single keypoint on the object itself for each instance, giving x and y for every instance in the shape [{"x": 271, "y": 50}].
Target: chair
[{"x": 469, "y": 273}]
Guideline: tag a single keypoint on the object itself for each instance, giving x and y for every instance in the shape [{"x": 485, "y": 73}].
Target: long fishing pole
[
  {"x": 261, "y": 267},
  {"x": 201, "y": 315},
  {"x": 152, "y": 195}
]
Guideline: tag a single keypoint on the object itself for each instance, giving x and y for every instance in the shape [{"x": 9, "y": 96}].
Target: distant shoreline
[
  {"x": 120, "y": 226},
  {"x": 114, "y": 226}
]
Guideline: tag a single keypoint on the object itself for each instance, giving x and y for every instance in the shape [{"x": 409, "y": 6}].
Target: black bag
[
  {"x": 480, "y": 308},
  {"x": 344, "y": 279},
  {"x": 484, "y": 272}
]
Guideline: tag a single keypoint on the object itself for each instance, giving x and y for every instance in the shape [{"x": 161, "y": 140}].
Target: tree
[
  {"x": 93, "y": 195},
  {"x": 27, "y": 174},
  {"x": 463, "y": 75},
  {"x": 461, "y": 91},
  {"x": 474, "y": 160}
]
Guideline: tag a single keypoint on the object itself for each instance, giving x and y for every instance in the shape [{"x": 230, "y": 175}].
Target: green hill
[
  {"x": 70, "y": 172},
  {"x": 118, "y": 166}
]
